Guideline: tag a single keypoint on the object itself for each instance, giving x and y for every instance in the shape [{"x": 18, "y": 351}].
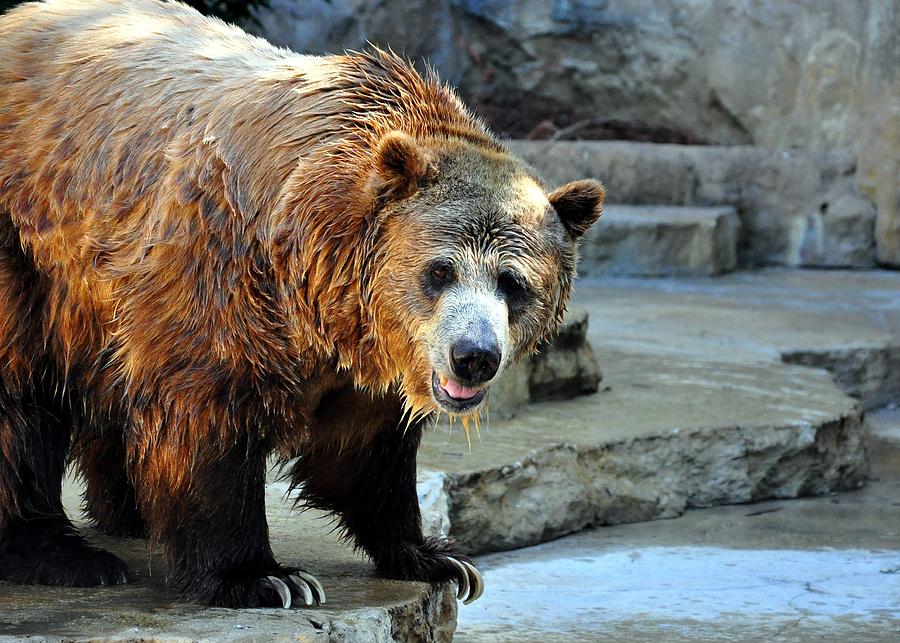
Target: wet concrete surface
[{"x": 809, "y": 569}]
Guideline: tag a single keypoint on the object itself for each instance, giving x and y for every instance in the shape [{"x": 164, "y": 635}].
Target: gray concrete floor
[{"x": 788, "y": 570}]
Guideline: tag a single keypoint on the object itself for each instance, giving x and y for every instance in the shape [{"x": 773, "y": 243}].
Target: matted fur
[
  {"x": 188, "y": 253},
  {"x": 169, "y": 210}
]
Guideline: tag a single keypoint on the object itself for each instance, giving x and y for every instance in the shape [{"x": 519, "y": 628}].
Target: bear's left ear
[
  {"x": 578, "y": 204},
  {"x": 401, "y": 167}
]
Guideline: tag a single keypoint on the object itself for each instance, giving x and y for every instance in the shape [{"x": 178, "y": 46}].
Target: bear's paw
[
  {"x": 282, "y": 588},
  {"x": 435, "y": 560},
  {"x": 67, "y": 561}
]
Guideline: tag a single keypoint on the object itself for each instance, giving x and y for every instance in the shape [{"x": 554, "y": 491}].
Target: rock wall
[{"x": 778, "y": 73}]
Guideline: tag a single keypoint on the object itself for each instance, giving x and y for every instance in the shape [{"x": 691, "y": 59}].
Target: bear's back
[
  {"x": 98, "y": 98},
  {"x": 160, "y": 169},
  {"x": 110, "y": 109}
]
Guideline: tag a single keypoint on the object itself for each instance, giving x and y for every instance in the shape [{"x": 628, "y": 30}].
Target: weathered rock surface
[
  {"x": 737, "y": 71},
  {"x": 655, "y": 240},
  {"x": 360, "y": 607},
  {"x": 879, "y": 167},
  {"x": 663, "y": 436},
  {"x": 842, "y": 233},
  {"x": 565, "y": 367},
  {"x": 819, "y": 75},
  {"x": 796, "y": 208}
]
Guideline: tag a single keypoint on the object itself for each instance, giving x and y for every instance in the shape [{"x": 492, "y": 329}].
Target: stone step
[
  {"x": 360, "y": 606},
  {"x": 662, "y": 436},
  {"x": 655, "y": 240},
  {"x": 797, "y": 208},
  {"x": 697, "y": 407}
]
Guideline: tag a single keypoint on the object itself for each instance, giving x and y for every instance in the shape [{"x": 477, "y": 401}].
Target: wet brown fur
[{"x": 192, "y": 260}]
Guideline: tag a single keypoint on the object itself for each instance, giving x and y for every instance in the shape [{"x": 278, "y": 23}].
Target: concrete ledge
[
  {"x": 661, "y": 241},
  {"x": 868, "y": 373},
  {"x": 360, "y": 607},
  {"x": 664, "y": 436}
]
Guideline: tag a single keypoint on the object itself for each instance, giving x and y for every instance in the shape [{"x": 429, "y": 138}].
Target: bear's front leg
[
  {"x": 362, "y": 466},
  {"x": 204, "y": 501}
]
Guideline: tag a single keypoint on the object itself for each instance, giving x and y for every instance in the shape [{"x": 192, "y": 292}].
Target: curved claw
[
  {"x": 462, "y": 577},
  {"x": 318, "y": 592},
  {"x": 477, "y": 583},
  {"x": 471, "y": 584},
  {"x": 283, "y": 590},
  {"x": 303, "y": 586}
]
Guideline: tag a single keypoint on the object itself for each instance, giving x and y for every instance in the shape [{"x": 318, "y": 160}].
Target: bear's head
[{"x": 473, "y": 263}]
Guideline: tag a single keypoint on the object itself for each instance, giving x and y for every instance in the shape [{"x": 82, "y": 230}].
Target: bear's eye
[
  {"x": 438, "y": 276},
  {"x": 514, "y": 288}
]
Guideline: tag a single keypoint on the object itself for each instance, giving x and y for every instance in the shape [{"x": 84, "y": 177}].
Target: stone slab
[
  {"x": 360, "y": 606},
  {"x": 654, "y": 240},
  {"x": 814, "y": 569},
  {"x": 663, "y": 435},
  {"x": 697, "y": 407}
]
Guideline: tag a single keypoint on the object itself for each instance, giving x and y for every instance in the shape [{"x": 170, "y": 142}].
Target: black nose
[{"x": 474, "y": 362}]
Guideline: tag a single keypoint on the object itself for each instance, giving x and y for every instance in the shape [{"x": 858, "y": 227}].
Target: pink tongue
[{"x": 458, "y": 391}]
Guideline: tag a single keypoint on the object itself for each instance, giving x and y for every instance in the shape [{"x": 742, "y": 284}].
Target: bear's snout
[{"x": 475, "y": 362}]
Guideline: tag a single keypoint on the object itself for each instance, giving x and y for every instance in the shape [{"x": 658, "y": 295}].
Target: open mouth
[{"x": 453, "y": 396}]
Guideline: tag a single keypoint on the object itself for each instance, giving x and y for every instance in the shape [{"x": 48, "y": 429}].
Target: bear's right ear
[
  {"x": 401, "y": 167},
  {"x": 578, "y": 204}
]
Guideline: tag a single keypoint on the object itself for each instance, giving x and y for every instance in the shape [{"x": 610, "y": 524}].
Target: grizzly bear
[{"x": 214, "y": 251}]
